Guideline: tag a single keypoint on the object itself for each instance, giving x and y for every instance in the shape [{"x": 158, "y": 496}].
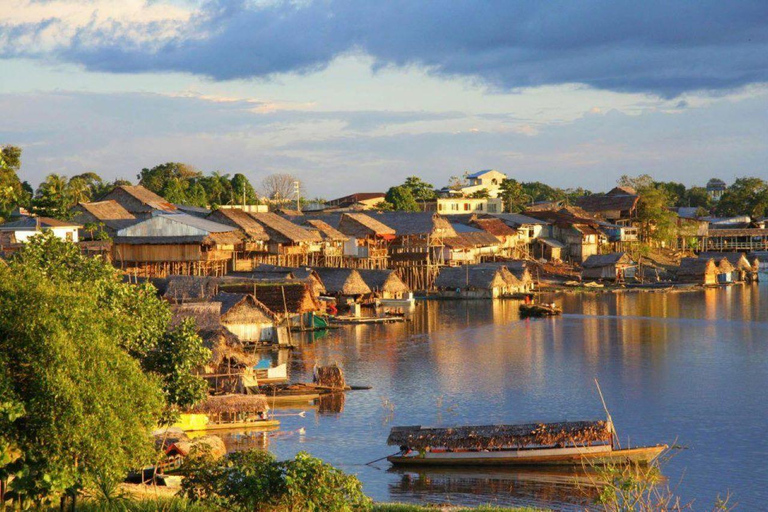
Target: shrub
[{"x": 255, "y": 481}]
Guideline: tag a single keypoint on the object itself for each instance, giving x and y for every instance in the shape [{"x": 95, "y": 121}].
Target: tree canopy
[
  {"x": 401, "y": 199},
  {"x": 747, "y": 196}
]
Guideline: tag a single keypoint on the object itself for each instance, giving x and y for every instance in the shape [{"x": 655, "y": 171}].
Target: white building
[
  {"x": 488, "y": 179},
  {"x": 464, "y": 205},
  {"x": 21, "y": 230}
]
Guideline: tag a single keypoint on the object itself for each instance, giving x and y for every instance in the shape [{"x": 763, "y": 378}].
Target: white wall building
[{"x": 27, "y": 227}]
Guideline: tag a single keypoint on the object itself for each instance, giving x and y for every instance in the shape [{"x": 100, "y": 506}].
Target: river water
[{"x": 687, "y": 368}]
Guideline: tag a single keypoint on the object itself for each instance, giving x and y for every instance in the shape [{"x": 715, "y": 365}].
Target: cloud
[
  {"x": 657, "y": 47},
  {"x": 336, "y": 153}
]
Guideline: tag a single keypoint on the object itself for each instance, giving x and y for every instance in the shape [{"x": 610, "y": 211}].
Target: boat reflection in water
[{"x": 563, "y": 488}]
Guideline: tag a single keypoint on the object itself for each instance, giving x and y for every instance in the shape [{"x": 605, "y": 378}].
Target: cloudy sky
[{"x": 353, "y": 95}]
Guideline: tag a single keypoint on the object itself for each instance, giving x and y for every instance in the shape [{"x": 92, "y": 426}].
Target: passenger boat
[
  {"x": 539, "y": 310},
  {"x": 535, "y": 444},
  {"x": 227, "y": 412}
]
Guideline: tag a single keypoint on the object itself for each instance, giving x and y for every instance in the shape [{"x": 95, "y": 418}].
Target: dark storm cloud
[{"x": 660, "y": 47}]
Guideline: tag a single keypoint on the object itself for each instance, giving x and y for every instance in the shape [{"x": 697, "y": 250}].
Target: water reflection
[{"x": 691, "y": 366}]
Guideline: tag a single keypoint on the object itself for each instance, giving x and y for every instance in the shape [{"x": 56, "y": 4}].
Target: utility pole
[{"x": 298, "y": 199}]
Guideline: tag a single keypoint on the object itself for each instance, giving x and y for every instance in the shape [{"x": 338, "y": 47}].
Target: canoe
[
  {"x": 280, "y": 394},
  {"x": 570, "y": 456},
  {"x": 197, "y": 422},
  {"x": 539, "y": 310}
]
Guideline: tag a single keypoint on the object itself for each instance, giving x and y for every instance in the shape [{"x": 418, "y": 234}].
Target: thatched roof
[
  {"x": 416, "y": 223},
  {"x": 242, "y": 220},
  {"x": 207, "y": 315},
  {"x": 291, "y": 298},
  {"x": 481, "y": 278},
  {"x": 724, "y": 266},
  {"x": 471, "y": 240},
  {"x": 225, "y": 346},
  {"x": 496, "y": 227},
  {"x": 342, "y": 281},
  {"x": 384, "y": 281},
  {"x": 603, "y": 260},
  {"x": 239, "y": 306},
  {"x": 491, "y": 437},
  {"x": 361, "y": 225},
  {"x": 232, "y": 404},
  {"x": 326, "y": 231},
  {"x": 598, "y": 203},
  {"x": 144, "y": 196},
  {"x": 283, "y": 231},
  {"x": 737, "y": 259},
  {"x": 696, "y": 267},
  {"x": 105, "y": 210},
  {"x": 304, "y": 274},
  {"x": 184, "y": 288}
]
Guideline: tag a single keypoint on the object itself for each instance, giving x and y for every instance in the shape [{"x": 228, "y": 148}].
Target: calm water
[{"x": 686, "y": 367}]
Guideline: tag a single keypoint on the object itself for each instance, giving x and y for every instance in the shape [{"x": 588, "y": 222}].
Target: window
[
  {"x": 440, "y": 207},
  {"x": 454, "y": 207},
  {"x": 480, "y": 206},
  {"x": 492, "y": 208},
  {"x": 466, "y": 207}
]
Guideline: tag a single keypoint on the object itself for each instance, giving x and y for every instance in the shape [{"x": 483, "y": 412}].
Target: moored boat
[
  {"x": 227, "y": 412},
  {"x": 566, "y": 443},
  {"x": 539, "y": 310}
]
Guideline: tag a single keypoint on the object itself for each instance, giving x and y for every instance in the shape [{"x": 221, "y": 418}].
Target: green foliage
[
  {"x": 57, "y": 194},
  {"x": 156, "y": 178},
  {"x": 480, "y": 194},
  {"x": 401, "y": 199},
  {"x": 747, "y": 196},
  {"x": 513, "y": 195},
  {"x": 80, "y": 406},
  {"x": 255, "y": 481},
  {"x": 383, "y": 206},
  {"x": 641, "y": 182},
  {"x": 697, "y": 197},
  {"x": 675, "y": 192},
  {"x": 420, "y": 190},
  {"x": 12, "y": 193},
  {"x": 657, "y": 222},
  {"x": 538, "y": 192}
]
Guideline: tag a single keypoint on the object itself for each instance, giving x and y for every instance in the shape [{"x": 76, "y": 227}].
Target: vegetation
[
  {"x": 88, "y": 367},
  {"x": 402, "y": 199},
  {"x": 747, "y": 196},
  {"x": 255, "y": 481}
]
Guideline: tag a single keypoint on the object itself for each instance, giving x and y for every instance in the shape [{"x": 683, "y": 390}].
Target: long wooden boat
[
  {"x": 539, "y": 310},
  {"x": 204, "y": 423},
  {"x": 227, "y": 412},
  {"x": 299, "y": 393},
  {"x": 535, "y": 444}
]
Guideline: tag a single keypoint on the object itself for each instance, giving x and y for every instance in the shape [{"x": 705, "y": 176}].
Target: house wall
[
  {"x": 64, "y": 233},
  {"x": 463, "y": 205},
  {"x": 156, "y": 252},
  {"x": 161, "y": 226},
  {"x": 251, "y": 331}
]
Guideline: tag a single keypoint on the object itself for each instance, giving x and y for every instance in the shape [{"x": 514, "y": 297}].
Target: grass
[{"x": 182, "y": 505}]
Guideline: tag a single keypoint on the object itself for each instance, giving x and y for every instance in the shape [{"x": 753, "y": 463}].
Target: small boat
[
  {"x": 298, "y": 393},
  {"x": 536, "y": 444},
  {"x": 539, "y": 310},
  {"x": 227, "y": 412}
]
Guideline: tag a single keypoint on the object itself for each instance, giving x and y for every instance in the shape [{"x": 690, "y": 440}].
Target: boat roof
[{"x": 501, "y": 436}]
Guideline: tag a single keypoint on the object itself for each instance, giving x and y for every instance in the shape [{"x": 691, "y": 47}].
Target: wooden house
[
  {"x": 368, "y": 240},
  {"x": 275, "y": 273},
  {"x": 292, "y": 303},
  {"x": 575, "y": 229},
  {"x": 182, "y": 288},
  {"x": 417, "y": 250},
  {"x": 618, "y": 206},
  {"x": 289, "y": 244},
  {"x": 139, "y": 201},
  {"x": 345, "y": 284},
  {"x": 511, "y": 244},
  {"x": 701, "y": 271},
  {"x": 515, "y": 273},
  {"x": 332, "y": 253},
  {"x": 384, "y": 283},
  {"x": 168, "y": 244},
  {"x": 468, "y": 282},
  {"x": 247, "y": 318},
  {"x": 255, "y": 241},
  {"x": 617, "y": 266}
]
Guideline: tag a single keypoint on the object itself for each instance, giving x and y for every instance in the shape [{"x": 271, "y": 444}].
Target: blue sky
[{"x": 355, "y": 96}]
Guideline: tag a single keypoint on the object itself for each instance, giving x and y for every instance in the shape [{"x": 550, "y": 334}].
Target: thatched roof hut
[
  {"x": 416, "y": 223},
  {"x": 283, "y": 231},
  {"x": 494, "y": 226},
  {"x": 724, "y": 266},
  {"x": 342, "y": 281},
  {"x": 305, "y": 274},
  {"x": 191, "y": 288},
  {"x": 100, "y": 211},
  {"x": 287, "y": 299},
  {"x": 207, "y": 315},
  {"x": 384, "y": 281},
  {"x": 491, "y": 437},
  {"x": 603, "y": 260},
  {"x": 242, "y": 308},
  {"x": 360, "y": 225},
  {"x": 477, "y": 277},
  {"x": 222, "y": 404},
  {"x": 326, "y": 231},
  {"x": 696, "y": 270},
  {"x": 242, "y": 220},
  {"x": 738, "y": 260}
]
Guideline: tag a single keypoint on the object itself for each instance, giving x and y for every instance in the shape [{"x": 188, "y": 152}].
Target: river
[{"x": 687, "y": 368}]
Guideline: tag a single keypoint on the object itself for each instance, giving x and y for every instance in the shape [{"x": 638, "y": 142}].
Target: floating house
[
  {"x": 617, "y": 266},
  {"x": 332, "y": 253},
  {"x": 246, "y": 317},
  {"x": 345, "y": 284},
  {"x": 725, "y": 271},
  {"x": 384, "y": 283},
  {"x": 701, "y": 271},
  {"x": 368, "y": 240},
  {"x": 177, "y": 243},
  {"x": 743, "y": 269},
  {"x": 470, "y": 282}
]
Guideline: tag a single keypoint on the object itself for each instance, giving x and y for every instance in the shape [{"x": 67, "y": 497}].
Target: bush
[{"x": 255, "y": 481}]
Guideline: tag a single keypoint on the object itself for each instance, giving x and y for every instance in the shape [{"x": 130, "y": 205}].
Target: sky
[{"x": 354, "y": 96}]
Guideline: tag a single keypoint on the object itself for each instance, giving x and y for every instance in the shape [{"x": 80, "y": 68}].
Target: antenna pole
[{"x": 607, "y": 414}]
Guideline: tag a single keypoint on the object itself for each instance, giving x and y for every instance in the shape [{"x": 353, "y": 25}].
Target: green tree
[
  {"x": 747, "y": 196},
  {"x": 513, "y": 195},
  {"x": 401, "y": 199},
  {"x": 675, "y": 192},
  {"x": 12, "y": 193},
  {"x": 175, "y": 191},
  {"x": 156, "y": 178},
  {"x": 81, "y": 408},
  {"x": 657, "y": 222},
  {"x": 196, "y": 195},
  {"x": 52, "y": 197},
  {"x": 480, "y": 194},
  {"x": 420, "y": 190},
  {"x": 638, "y": 183},
  {"x": 538, "y": 192},
  {"x": 241, "y": 187},
  {"x": 697, "y": 197}
]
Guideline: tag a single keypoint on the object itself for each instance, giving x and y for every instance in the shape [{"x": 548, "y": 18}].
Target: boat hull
[
  {"x": 594, "y": 455},
  {"x": 202, "y": 423}
]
